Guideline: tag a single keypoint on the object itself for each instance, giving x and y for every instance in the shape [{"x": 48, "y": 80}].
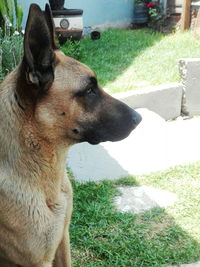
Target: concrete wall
[
  {"x": 190, "y": 73},
  {"x": 96, "y": 12}
]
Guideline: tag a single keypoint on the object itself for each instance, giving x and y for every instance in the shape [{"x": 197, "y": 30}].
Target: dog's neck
[{"x": 23, "y": 151}]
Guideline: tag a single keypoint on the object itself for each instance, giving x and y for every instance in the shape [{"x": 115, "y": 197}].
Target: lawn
[
  {"x": 122, "y": 59},
  {"x": 101, "y": 236},
  {"x": 130, "y": 59}
]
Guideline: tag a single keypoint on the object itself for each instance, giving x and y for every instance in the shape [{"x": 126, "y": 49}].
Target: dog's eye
[{"x": 89, "y": 91}]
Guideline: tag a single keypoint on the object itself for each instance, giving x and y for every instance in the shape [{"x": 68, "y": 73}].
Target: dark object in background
[
  {"x": 95, "y": 35},
  {"x": 68, "y": 22},
  {"x": 140, "y": 13},
  {"x": 57, "y": 4}
]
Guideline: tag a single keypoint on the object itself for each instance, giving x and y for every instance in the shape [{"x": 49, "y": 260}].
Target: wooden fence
[{"x": 184, "y": 11}]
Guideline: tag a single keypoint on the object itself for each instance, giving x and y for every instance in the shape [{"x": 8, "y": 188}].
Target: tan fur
[{"x": 35, "y": 193}]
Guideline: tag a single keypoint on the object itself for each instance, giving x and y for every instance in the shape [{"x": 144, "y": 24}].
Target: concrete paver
[
  {"x": 137, "y": 199},
  {"x": 152, "y": 99},
  {"x": 196, "y": 264},
  {"x": 190, "y": 71}
]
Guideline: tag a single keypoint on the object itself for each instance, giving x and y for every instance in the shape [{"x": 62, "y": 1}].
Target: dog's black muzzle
[{"x": 115, "y": 121}]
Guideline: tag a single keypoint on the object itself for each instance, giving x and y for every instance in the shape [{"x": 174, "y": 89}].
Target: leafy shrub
[
  {"x": 72, "y": 49},
  {"x": 157, "y": 15},
  {"x": 11, "y": 15},
  {"x": 11, "y": 50}
]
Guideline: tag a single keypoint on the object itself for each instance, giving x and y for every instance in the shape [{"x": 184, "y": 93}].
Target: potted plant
[
  {"x": 140, "y": 12},
  {"x": 156, "y": 15}
]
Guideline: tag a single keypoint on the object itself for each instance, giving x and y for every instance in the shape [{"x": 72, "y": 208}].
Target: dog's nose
[{"x": 137, "y": 118}]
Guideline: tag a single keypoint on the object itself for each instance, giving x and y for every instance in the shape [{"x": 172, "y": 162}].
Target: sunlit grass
[
  {"x": 101, "y": 236},
  {"x": 131, "y": 59}
]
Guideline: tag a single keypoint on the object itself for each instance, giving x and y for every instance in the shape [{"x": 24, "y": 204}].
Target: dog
[{"x": 48, "y": 103}]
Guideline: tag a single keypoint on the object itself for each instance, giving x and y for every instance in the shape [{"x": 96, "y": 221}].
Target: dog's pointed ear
[
  {"x": 50, "y": 23},
  {"x": 39, "y": 46}
]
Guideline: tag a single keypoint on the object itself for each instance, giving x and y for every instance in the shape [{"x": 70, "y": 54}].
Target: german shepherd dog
[{"x": 48, "y": 103}]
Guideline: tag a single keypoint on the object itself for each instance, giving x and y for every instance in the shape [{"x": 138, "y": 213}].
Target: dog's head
[{"x": 63, "y": 96}]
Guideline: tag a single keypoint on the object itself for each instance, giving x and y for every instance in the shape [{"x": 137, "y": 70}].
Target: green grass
[
  {"x": 122, "y": 59},
  {"x": 101, "y": 236},
  {"x": 130, "y": 59}
]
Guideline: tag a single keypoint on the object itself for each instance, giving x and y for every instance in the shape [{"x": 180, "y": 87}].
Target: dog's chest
[{"x": 37, "y": 226}]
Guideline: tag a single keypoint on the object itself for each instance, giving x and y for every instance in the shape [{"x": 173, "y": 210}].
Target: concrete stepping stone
[
  {"x": 138, "y": 199},
  {"x": 196, "y": 264}
]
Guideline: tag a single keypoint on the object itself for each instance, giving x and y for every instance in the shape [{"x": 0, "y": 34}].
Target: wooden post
[
  {"x": 185, "y": 17},
  {"x": 197, "y": 26}
]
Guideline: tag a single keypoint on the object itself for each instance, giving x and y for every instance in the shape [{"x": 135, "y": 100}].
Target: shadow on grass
[
  {"x": 101, "y": 236},
  {"x": 110, "y": 56}
]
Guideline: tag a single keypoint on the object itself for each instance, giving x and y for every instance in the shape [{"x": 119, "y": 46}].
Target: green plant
[
  {"x": 1, "y": 71},
  {"x": 72, "y": 49},
  {"x": 19, "y": 14},
  {"x": 11, "y": 15},
  {"x": 11, "y": 50},
  {"x": 141, "y": 2},
  {"x": 157, "y": 15}
]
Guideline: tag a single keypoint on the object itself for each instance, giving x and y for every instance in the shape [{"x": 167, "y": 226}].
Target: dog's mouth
[
  {"x": 94, "y": 137},
  {"x": 89, "y": 136},
  {"x": 95, "y": 140}
]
